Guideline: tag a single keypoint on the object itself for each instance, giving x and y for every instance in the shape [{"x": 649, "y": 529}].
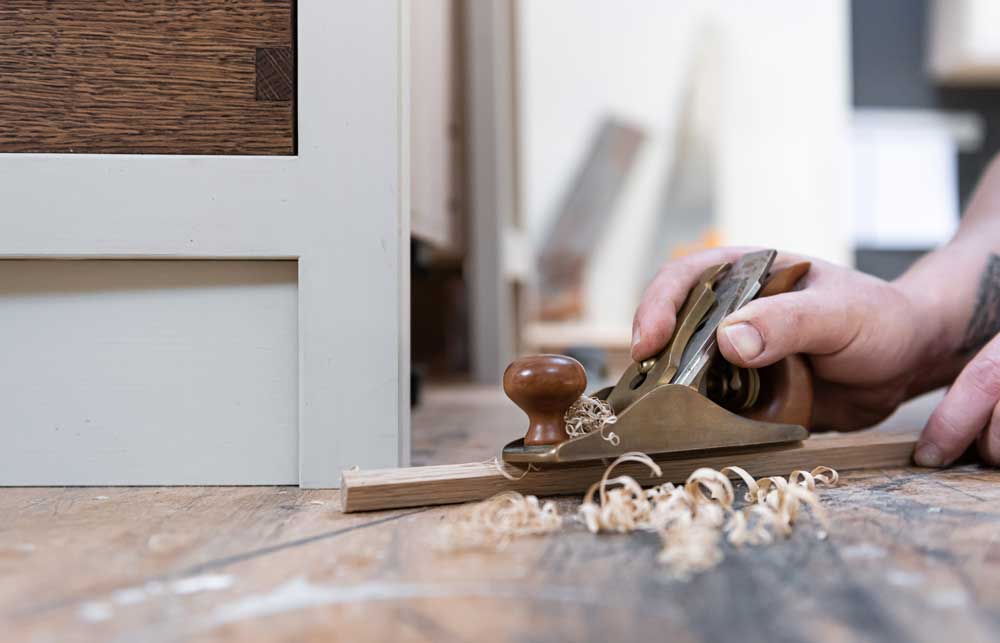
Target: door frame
[{"x": 340, "y": 208}]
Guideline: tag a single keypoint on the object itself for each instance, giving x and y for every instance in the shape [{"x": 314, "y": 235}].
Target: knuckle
[
  {"x": 946, "y": 427},
  {"x": 983, "y": 375},
  {"x": 780, "y": 322}
]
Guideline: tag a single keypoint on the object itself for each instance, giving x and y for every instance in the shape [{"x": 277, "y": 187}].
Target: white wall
[{"x": 781, "y": 132}]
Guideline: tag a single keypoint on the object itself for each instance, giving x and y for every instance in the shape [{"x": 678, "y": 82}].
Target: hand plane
[{"x": 687, "y": 398}]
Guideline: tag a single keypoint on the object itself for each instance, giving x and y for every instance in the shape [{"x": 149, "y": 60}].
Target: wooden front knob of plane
[{"x": 545, "y": 386}]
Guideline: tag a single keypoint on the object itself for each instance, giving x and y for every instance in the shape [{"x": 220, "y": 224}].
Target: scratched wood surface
[
  {"x": 151, "y": 77},
  {"x": 913, "y": 555}
]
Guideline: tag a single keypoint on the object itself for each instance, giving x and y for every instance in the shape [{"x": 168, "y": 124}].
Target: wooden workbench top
[{"x": 912, "y": 555}]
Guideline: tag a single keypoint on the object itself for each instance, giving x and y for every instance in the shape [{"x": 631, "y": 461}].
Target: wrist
[{"x": 940, "y": 291}]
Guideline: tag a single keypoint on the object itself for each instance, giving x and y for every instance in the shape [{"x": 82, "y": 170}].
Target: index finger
[
  {"x": 654, "y": 320},
  {"x": 964, "y": 411}
]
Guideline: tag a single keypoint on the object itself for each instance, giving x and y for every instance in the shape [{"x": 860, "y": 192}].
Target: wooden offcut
[
  {"x": 152, "y": 77},
  {"x": 444, "y": 484}
]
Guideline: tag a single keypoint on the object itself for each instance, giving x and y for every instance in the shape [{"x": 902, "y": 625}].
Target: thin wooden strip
[{"x": 445, "y": 484}]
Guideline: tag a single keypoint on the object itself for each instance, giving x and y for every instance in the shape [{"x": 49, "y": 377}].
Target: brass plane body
[{"x": 657, "y": 415}]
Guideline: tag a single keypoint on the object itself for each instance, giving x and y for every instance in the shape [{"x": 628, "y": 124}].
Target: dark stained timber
[
  {"x": 150, "y": 77},
  {"x": 275, "y": 74}
]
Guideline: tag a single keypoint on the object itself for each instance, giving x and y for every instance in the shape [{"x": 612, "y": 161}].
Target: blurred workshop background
[{"x": 562, "y": 150}]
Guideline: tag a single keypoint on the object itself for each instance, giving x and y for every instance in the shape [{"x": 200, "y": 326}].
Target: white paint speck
[
  {"x": 948, "y": 598},
  {"x": 300, "y": 594},
  {"x": 95, "y": 612},
  {"x": 933, "y": 510},
  {"x": 903, "y": 578},
  {"x": 203, "y": 583},
  {"x": 316, "y": 502},
  {"x": 129, "y": 596},
  {"x": 101, "y": 498},
  {"x": 863, "y": 551}
]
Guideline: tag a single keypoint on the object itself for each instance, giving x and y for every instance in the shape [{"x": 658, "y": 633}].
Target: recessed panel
[{"x": 148, "y": 372}]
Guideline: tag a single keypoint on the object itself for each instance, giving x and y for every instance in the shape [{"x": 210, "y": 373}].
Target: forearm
[{"x": 956, "y": 289}]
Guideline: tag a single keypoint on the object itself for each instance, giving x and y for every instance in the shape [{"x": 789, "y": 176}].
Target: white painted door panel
[
  {"x": 148, "y": 372},
  {"x": 339, "y": 208}
]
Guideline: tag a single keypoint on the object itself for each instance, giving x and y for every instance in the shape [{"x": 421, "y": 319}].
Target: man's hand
[
  {"x": 970, "y": 411},
  {"x": 873, "y": 344},
  {"x": 866, "y": 338}
]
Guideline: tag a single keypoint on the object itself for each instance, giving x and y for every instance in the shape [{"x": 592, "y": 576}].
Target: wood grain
[
  {"x": 443, "y": 484},
  {"x": 912, "y": 555},
  {"x": 152, "y": 77},
  {"x": 275, "y": 73}
]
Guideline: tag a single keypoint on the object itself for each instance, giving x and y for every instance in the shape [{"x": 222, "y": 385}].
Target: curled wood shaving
[
  {"x": 691, "y": 519},
  {"x": 493, "y": 523},
  {"x": 775, "y": 504},
  {"x": 589, "y": 414},
  {"x": 624, "y": 508},
  {"x": 509, "y": 471},
  {"x": 586, "y": 415}
]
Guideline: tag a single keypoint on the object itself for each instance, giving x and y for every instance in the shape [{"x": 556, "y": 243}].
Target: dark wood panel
[{"x": 149, "y": 76}]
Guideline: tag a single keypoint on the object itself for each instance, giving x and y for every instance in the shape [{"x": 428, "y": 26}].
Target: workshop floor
[{"x": 913, "y": 555}]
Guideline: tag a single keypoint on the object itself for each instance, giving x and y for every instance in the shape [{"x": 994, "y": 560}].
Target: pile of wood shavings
[
  {"x": 493, "y": 523},
  {"x": 691, "y": 519}
]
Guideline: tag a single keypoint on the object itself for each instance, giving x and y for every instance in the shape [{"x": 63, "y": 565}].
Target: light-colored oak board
[{"x": 443, "y": 484}]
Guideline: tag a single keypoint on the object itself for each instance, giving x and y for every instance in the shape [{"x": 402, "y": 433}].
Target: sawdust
[{"x": 691, "y": 519}]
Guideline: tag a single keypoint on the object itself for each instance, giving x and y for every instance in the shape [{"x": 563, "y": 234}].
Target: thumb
[{"x": 768, "y": 329}]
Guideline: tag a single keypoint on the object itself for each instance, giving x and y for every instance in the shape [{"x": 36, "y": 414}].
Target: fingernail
[
  {"x": 636, "y": 336},
  {"x": 928, "y": 455},
  {"x": 745, "y": 339}
]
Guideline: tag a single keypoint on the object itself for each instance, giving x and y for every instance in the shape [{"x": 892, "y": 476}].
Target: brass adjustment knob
[{"x": 544, "y": 387}]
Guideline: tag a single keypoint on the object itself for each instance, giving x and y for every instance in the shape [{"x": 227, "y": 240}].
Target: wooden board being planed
[{"x": 444, "y": 484}]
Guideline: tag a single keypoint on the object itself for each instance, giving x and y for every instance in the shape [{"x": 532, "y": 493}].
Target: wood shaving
[
  {"x": 586, "y": 415},
  {"x": 691, "y": 519},
  {"x": 589, "y": 414},
  {"x": 493, "y": 523},
  {"x": 509, "y": 471}
]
